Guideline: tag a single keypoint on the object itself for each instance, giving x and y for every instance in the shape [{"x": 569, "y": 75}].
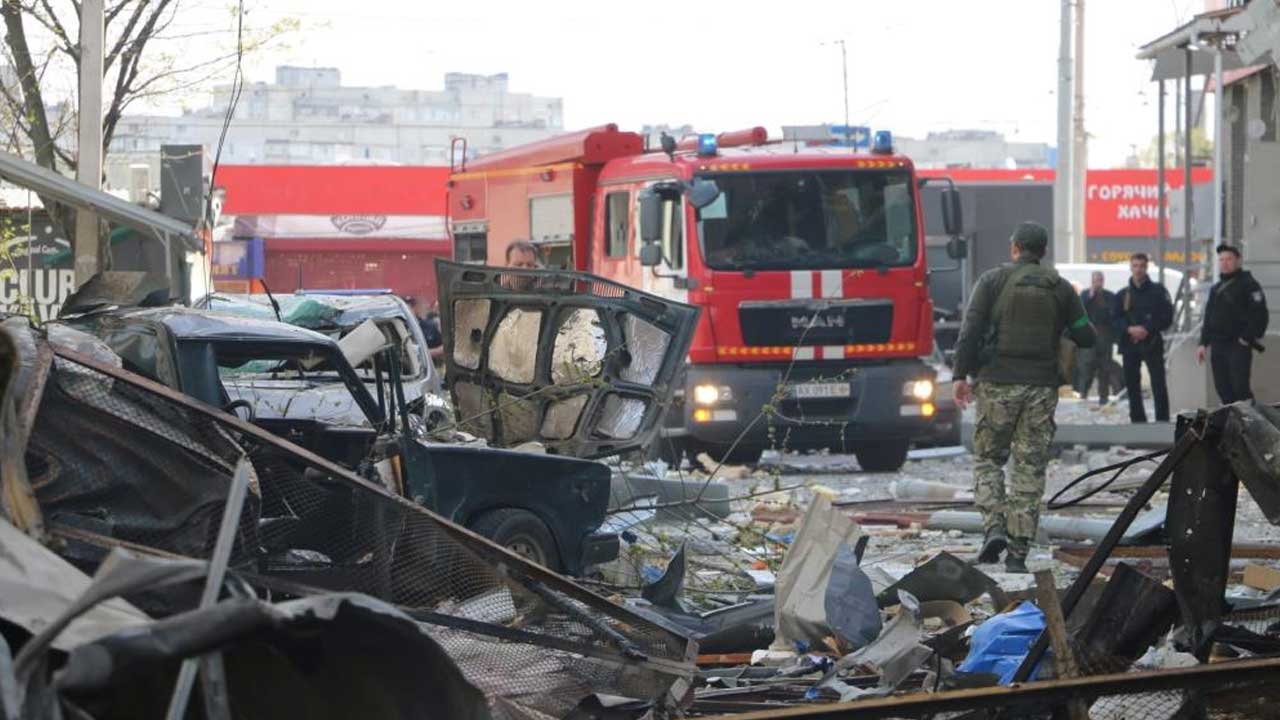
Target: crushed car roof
[
  {"x": 189, "y": 324},
  {"x": 314, "y": 311}
]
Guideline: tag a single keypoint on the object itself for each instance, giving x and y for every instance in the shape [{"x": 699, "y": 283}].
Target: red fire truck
[{"x": 808, "y": 264}]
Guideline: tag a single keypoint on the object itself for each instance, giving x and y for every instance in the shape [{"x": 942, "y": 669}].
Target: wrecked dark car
[
  {"x": 604, "y": 361},
  {"x": 545, "y": 507},
  {"x": 337, "y": 316},
  {"x": 97, "y": 459}
]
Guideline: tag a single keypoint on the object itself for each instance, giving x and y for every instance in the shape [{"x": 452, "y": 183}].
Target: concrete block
[
  {"x": 714, "y": 502},
  {"x": 1147, "y": 435}
]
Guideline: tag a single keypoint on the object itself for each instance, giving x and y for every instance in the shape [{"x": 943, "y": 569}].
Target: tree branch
[
  {"x": 32, "y": 99},
  {"x": 127, "y": 73},
  {"x": 126, "y": 36}
]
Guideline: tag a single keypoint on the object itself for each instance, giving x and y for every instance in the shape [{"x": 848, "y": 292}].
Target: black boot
[
  {"x": 1015, "y": 563},
  {"x": 993, "y": 543}
]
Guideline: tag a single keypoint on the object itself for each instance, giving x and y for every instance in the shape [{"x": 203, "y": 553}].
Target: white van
[{"x": 1117, "y": 275}]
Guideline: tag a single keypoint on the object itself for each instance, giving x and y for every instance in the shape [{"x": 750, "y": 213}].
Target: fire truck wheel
[
  {"x": 887, "y": 456},
  {"x": 521, "y": 532}
]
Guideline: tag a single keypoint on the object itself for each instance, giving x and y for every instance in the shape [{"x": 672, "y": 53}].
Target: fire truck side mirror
[
  {"x": 952, "y": 218},
  {"x": 957, "y": 248},
  {"x": 702, "y": 193},
  {"x": 650, "y": 254},
  {"x": 650, "y": 218}
]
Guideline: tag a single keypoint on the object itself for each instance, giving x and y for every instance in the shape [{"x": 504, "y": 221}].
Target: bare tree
[{"x": 148, "y": 56}]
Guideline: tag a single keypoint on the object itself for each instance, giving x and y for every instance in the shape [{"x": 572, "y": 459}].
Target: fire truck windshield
[{"x": 809, "y": 219}]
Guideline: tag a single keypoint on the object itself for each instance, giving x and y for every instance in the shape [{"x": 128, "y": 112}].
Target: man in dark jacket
[
  {"x": 1097, "y": 301},
  {"x": 1010, "y": 342},
  {"x": 1139, "y": 314},
  {"x": 1234, "y": 319}
]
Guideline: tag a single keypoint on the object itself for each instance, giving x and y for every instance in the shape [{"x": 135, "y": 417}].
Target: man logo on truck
[{"x": 801, "y": 322}]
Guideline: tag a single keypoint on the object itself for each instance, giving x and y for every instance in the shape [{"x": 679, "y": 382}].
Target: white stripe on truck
[
  {"x": 832, "y": 284},
  {"x": 802, "y": 284}
]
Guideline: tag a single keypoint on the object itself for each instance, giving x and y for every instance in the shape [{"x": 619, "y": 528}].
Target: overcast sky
[{"x": 914, "y": 65}]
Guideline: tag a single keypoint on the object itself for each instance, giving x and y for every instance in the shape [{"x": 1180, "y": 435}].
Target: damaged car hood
[{"x": 579, "y": 363}]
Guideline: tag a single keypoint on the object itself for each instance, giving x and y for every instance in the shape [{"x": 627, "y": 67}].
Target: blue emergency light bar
[
  {"x": 706, "y": 145},
  {"x": 883, "y": 143}
]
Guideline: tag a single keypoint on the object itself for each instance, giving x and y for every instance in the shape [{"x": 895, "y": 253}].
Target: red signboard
[
  {"x": 333, "y": 189},
  {"x": 1122, "y": 203}
]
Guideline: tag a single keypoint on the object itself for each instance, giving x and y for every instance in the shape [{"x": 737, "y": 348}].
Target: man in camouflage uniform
[{"x": 1009, "y": 342}]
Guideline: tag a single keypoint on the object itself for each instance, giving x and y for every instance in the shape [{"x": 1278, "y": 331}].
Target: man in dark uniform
[
  {"x": 1097, "y": 301},
  {"x": 1009, "y": 342},
  {"x": 1234, "y": 319},
  {"x": 1139, "y": 314}
]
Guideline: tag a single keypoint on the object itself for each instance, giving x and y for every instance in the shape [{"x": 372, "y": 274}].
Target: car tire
[
  {"x": 886, "y": 456},
  {"x": 521, "y": 532}
]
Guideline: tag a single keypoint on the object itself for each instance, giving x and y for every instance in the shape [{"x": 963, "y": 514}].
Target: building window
[
  {"x": 471, "y": 247},
  {"x": 616, "y": 221}
]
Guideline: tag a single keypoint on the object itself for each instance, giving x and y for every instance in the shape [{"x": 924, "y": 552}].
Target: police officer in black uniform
[{"x": 1234, "y": 319}]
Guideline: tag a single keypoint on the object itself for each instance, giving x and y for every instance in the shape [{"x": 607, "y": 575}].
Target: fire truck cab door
[{"x": 670, "y": 279}]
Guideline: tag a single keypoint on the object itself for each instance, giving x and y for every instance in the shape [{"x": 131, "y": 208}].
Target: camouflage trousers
[{"x": 1015, "y": 422}]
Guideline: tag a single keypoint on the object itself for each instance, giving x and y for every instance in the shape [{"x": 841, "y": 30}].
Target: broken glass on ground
[
  {"x": 580, "y": 348},
  {"x": 470, "y": 318},
  {"x": 513, "y": 354}
]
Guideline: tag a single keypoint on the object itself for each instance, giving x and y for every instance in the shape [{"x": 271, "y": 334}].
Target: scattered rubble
[{"x": 795, "y": 584}]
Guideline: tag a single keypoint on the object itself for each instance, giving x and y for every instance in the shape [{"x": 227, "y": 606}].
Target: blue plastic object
[
  {"x": 883, "y": 143},
  {"x": 706, "y": 145},
  {"x": 999, "y": 644}
]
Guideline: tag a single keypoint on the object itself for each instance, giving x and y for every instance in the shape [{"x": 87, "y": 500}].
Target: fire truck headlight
[
  {"x": 711, "y": 394},
  {"x": 918, "y": 389}
]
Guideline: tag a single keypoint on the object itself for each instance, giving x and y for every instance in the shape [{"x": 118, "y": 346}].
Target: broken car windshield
[
  {"x": 308, "y": 364},
  {"x": 809, "y": 220}
]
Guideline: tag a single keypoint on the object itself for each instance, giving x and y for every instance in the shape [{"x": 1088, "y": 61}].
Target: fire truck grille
[{"x": 815, "y": 322}]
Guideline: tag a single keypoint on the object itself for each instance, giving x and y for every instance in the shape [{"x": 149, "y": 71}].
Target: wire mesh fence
[{"x": 117, "y": 460}]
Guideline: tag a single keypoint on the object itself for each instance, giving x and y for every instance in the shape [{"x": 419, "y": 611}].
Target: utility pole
[
  {"x": 1162, "y": 203},
  {"x": 1079, "y": 148},
  {"x": 1219, "y": 174},
  {"x": 844, "y": 64},
  {"x": 89, "y": 162},
  {"x": 1063, "y": 177},
  {"x": 1188, "y": 209}
]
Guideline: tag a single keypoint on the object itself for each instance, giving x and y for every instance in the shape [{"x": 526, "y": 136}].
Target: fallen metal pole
[
  {"x": 212, "y": 586},
  {"x": 1126, "y": 517},
  {"x": 1235, "y": 675}
]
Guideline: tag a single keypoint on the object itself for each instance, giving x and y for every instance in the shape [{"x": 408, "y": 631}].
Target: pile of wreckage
[{"x": 179, "y": 540}]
